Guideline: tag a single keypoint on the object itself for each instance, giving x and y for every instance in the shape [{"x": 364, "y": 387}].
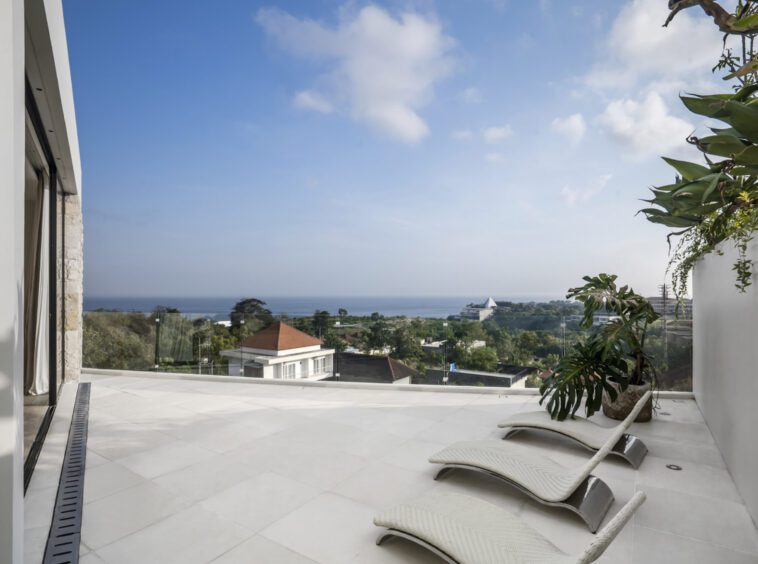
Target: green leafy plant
[
  {"x": 712, "y": 204},
  {"x": 615, "y": 352}
]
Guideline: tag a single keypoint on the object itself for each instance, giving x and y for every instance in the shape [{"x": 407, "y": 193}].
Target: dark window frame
[{"x": 39, "y": 130}]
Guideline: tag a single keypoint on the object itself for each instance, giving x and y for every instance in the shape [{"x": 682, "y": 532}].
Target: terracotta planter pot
[{"x": 625, "y": 401}]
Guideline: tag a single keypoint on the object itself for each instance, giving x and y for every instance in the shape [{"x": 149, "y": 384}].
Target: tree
[
  {"x": 482, "y": 358},
  {"x": 529, "y": 341},
  {"x": 378, "y": 335},
  {"x": 332, "y": 340},
  {"x": 342, "y": 312},
  {"x": 321, "y": 322},
  {"x": 469, "y": 331},
  {"x": 248, "y": 316},
  {"x": 405, "y": 345}
]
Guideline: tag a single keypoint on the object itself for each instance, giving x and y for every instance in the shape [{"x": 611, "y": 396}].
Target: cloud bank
[{"x": 382, "y": 70}]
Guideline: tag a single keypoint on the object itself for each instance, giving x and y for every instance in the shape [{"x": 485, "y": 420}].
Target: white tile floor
[{"x": 191, "y": 471}]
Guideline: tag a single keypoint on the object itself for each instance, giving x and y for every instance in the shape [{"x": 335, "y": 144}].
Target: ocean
[{"x": 219, "y": 308}]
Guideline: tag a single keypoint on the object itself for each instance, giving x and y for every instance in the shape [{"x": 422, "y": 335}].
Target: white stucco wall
[
  {"x": 725, "y": 356},
  {"x": 11, "y": 279}
]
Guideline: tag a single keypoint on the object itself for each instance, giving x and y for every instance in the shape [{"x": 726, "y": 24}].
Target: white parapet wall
[{"x": 725, "y": 356}]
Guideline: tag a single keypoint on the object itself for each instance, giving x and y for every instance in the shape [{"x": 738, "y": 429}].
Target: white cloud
[
  {"x": 572, "y": 196},
  {"x": 494, "y": 157},
  {"x": 309, "y": 100},
  {"x": 645, "y": 127},
  {"x": 572, "y": 127},
  {"x": 382, "y": 69},
  {"x": 462, "y": 135},
  {"x": 471, "y": 95},
  {"x": 494, "y": 135},
  {"x": 639, "y": 48}
]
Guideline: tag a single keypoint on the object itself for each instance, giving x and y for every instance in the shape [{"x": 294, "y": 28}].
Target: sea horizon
[{"x": 301, "y": 306}]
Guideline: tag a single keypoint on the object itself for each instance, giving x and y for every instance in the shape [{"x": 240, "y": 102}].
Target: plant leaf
[{"x": 689, "y": 171}]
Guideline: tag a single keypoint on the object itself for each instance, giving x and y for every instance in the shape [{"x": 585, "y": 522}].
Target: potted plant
[{"x": 610, "y": 367}]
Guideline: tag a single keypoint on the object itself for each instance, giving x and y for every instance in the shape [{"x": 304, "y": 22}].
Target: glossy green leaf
[
  {"x": 688, "y": 171},
  {"x": 748, "y": 156},
  {"x": 743, "y": 118}
]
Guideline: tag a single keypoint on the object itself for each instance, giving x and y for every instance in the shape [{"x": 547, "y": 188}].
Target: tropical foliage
[
  {"x": 616, "y": 351},
  {"x": 717, "y": 203}
]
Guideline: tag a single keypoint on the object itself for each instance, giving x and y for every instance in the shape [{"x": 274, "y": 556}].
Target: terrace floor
[{"x": 194, "y": 471}]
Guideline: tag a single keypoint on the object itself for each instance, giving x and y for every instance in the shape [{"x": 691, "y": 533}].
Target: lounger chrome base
[
  {"x": 388, "y": 533},
  {"x": 628, "y": 447},
  {"x": 591, "y": 500}
]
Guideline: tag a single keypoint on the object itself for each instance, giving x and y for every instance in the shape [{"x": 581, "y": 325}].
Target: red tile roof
[{"x": 279, "y": 337}]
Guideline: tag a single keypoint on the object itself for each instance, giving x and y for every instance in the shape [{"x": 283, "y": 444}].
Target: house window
[
  {"x": 288, "y": 371},
  {"x": 319, "y": 365}
]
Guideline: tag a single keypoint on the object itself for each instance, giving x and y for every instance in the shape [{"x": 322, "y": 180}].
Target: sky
[{"x": 440, "y": 148}]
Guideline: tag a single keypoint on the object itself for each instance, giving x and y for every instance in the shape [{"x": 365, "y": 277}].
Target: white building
[
  {"x": 281, "y": 352},
  {"x": 604, "y": 317},
  {"x": 479, "y": 312}
]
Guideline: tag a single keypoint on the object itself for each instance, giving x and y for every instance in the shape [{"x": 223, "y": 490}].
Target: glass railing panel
[{"x": 518, "y": 345}]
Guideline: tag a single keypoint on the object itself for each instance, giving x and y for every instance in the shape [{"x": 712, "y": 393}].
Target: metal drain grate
[{"x": 65, "y": 530}]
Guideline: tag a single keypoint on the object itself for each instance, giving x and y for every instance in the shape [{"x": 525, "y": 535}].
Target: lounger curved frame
[
  {"x": 402, "y": 528},
  {"x": 590, "y": 501},
  {"x": 389, "y": 533},
  {"x": 628, "y": 447},
  {"x": 584, "y": 494}
]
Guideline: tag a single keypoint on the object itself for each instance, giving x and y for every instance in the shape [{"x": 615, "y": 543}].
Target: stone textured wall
[{"x": 73, "y": 285}]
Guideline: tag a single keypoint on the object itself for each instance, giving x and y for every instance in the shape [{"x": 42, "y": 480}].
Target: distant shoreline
[{"x": 390, "y": 306}]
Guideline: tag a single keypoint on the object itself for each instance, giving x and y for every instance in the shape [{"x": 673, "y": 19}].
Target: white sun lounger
[
  {"x": 466, "y": 530},
  {"x": 537, "y": 475},
  {"x": 585, "y": 432}
]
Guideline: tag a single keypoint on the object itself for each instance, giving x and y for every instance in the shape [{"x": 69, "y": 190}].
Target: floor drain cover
[
  {"x": 65, "y": 530},
  {"x": 673, "y": 467}
]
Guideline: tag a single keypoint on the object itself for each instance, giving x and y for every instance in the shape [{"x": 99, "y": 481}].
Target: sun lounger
[
  {"x": 585, "y": 432},
  {"x": 537, "y": 475},
  {"x": 466, "y": 530}
]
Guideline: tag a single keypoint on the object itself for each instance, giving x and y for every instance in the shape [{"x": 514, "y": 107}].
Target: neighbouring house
[
  {"x": 604, "y": 317},
  {"x": 436, "y": 346},
  {"x": 462, "y": 377},
  {"x": 356, "y": 367},
  {"x": 479, "y": 312},
  {"x": 280, "y": 352}
]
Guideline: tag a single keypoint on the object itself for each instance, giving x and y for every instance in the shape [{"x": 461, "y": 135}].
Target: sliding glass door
[{"x": 43, "y": 287}]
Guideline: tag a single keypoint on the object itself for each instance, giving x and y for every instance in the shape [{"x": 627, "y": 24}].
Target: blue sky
[{"x": 480, "y": 147}]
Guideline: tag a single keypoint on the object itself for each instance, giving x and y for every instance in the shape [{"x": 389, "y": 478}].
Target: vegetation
[
  {"x": 616, "y": 351},
  {"x": 128, "y": 340},
  {"x": 717, "y": 203}
]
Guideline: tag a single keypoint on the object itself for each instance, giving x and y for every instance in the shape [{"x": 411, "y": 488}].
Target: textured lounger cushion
[
  {"x": 591, "y": 434},
  {"x": 536, "y": 472},
  {"x": 471, "y": 531},
  {"x": 524, "y": 465},
  {"x": 584, "y": 431}
]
